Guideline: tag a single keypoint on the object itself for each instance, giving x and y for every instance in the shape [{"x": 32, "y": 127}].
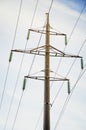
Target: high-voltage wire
[
  {"x": 13, "y": 93},
  {"x": 71, "y": 35},
  {"x": 68, "y": 72},
  {"x": 34, "y": 55},
  {"x": 50, "y": 6},
  {"x": 68, "y": 42},
  {"x": 77, "y": 22},
  {"x": 38, "y": 119},
  {"x": 12, "y": 48},
  {"x": 17, "y": 110},
  {"x": 74, "y": 27},
  {"x": 21, "y": 60},
  {"x": 23, "y": 91},
  {"x": 61, "y": 113},
  {"x": 34, "y": 13},
  {"x": 21, "y": 65},
  {"x": 4, "y": 86},
  {"x": 69, "y": 96}
]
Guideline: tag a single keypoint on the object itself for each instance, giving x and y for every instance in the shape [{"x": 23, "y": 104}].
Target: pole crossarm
[
  {"x": 43, "y": 78},
  {"x": 50, "y": 32},
  {"x": 40, "y": 76},
  {"x": 54, "y": 52}
]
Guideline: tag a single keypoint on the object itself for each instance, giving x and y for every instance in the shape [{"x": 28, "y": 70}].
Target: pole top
[
  {"x": 47, "y": 18},
  {"x": 47, "y": 14}
]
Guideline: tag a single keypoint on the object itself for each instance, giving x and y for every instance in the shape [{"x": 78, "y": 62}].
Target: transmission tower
[{"x": 47, "y": 51}]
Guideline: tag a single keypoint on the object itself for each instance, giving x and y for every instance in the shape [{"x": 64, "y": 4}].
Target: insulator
[
  {"x": 65, "y": 39},
  {"x": 28, "y": 34},
  {"x": 24, "y": 84},
  {"x": 68, "y": 87},
  {"x": 81, "y": 63},
  {"x": 10, "y": 57}
]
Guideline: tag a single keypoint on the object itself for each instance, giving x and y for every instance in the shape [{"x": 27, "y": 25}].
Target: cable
[
  {"x": 62, "y": 111},
  {"x": 77, "y": 54},
  {"x": 4, "y": 86},
  {"x": 34, "y": 13},
  {"x": 50, "y": 6},
  {"x": 20, "y": 64},
  {"x": 17, "y": 22},
  {"x": 69, "y": 96},
  {"x": 81, "y": 74},
  {"x": 65, "y": 47},
  {"x": 22, "y": 93},
  {"x": 71, "y": 35},
  {"x": 14, "y": 92},
  {"x": 38, "y": 119},
  {"x": 67, "y": 99},
  {"x": 17, "y": 110},
  {"x": 72, "y": 32},
  {"x": 12, "y": 48},
  {"x": 34, "y": 55},
  {"x": 77, "y": 22},
  {"x": 68, "y": 72}
]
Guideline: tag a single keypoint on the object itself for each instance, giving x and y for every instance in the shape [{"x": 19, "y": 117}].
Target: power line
[
  {"x": 17, "y": 110},
  {"x": 20, "y": 63},
  {"x": 68, "y": 72},
  {"x": 38, "y": 119},
  {"x": 69, "y": 96},
  {"x": 12, "y": 48},
  {"x": 68, "y": 42},
  {"x": 62, "y": 111},
  {"x": 18, "y": 78},
  {"x": 72, "y": 32},
  {"x": 34, "y": 55},
  {"x": 13, "y": 93},
  {"x": 34, "y": 13},
  {"x": 23, "y": 91},
  {"x": 78, "y": 79},
  {"x": 21, "y": 1},
  {"x": 50, "y": 6},
  {"x": 4, "y": 86},
  {"x": 77, "y": 22},
  {"x": 70, "y": 36}
]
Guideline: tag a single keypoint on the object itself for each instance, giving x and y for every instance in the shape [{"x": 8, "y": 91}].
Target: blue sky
[
  {"x": 63, "y": 16},
  {"x": 73, "y": 4}
]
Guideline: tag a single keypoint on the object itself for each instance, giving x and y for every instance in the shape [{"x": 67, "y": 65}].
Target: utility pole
[
  {"x": 46, "y": 125},
  {"x": 47, "y": 51}
]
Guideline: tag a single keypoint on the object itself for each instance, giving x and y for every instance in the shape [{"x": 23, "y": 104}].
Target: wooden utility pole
[{"x": 46, "y": 124}]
